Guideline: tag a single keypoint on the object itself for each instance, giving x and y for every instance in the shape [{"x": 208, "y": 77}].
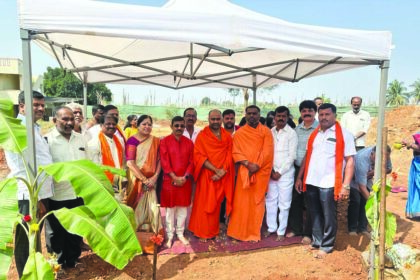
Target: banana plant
[{"x": 106, "y": 224}]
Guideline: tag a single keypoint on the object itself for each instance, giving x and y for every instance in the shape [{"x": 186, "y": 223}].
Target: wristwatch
[{"x": 346, "y": 187}]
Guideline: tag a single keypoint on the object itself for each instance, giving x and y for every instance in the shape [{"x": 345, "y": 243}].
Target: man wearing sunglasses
[
  {"x": 176, "y": 157},
  {"x": 214, "y": 174}
]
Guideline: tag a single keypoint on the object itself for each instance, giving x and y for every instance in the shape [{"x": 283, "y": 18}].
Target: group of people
[{"x": 222, "y": 173}]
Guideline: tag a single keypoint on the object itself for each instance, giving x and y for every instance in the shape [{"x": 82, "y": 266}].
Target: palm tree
[
  {"x": 397, "y": 94},
  {"x": 416, "y": 92}
]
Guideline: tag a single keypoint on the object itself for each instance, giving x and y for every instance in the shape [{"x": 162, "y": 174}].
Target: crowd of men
[{"x": 223, "y": 174}]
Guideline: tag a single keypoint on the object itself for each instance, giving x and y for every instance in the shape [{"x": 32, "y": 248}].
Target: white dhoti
[
  {"x": 279, "y": 196},
  {"x": 179, "y": 214}
]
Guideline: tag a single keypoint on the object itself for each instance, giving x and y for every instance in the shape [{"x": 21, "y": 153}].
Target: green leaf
[
  {"x": 8, "y": 219},
  {"x": 369, "y": 207},
  {"x": 12, "y": 133},
  {"x": 90, "y": 183},
  {"x": 113, "y": 170},
  {"x": 117, "y": 251},
  {"x": 37, "y": 267},
  {"x": 390, "y": 229}
]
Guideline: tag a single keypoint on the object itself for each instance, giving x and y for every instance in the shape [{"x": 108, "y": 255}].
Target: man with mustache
[
  {"x": 229, "y": 121},
  {"x": 252, "y": 151},
  {"x": 214, "y": 174},
  {"x": 106, "y": 149},
  {"x": 176, "y": 157},
  {"x": 329, "y": 154},
  {"x": 280, "y": 187},
  {"x": 357, "y": 121},
  {"x": 65, "y": 145},
  {"x": 17, "y": 169},
  {"x": 79, "y": 126},
  {"x": 299, "y": 223},
  {"x": 190, "y": 117}
]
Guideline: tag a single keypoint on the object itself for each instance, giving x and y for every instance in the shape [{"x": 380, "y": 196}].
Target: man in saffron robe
[
  {"x": 253, "y": 150},
  {"x": 329, "y": 152},
  {"x": 106, "y": 148},
  {"x": 214, "y": 174},
  {"x": 176, "y": 157}
]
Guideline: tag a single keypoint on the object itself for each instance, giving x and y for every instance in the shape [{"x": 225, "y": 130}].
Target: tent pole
[
  {"x": 25, "y": 36},
  {"x": 85, "y": 75},
  {"x": 378, "y": 158},
  {"x": 254, "y": 89}
]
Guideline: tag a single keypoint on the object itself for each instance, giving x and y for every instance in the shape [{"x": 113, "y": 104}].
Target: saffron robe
[
  {"x": 177, "y": 157},
  {"x": 255, "y": 145},
  {"x": 209, "y": 194}
]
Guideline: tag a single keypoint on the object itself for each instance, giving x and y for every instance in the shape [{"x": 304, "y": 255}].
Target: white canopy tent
[{"x": 187, "y": 43}]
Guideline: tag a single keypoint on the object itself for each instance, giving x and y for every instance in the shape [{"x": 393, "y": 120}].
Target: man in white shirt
[
  {"x": 329, "y": 153},
  {"x": 318, "y": 102},
  {"x": 280, "y": 186},
  {"x": 105, "y": 148},
  {"x": 65, "y": 145},
  {"x": 190, "y": 117},
  {"x": 17, "y": 169},
  {"x": 357, "y": 122}
]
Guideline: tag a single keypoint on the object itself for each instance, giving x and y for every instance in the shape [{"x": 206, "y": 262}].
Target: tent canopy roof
[{"x": 192, "y": 43}]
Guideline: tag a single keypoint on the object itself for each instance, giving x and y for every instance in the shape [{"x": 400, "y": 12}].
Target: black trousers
[
  {"x": 59, "y": 241},
  {"x": 299, "y": 218},
  {"x": 323, "y": 209},
  {"x": 21, "y": 250},
  {"x": 356, "y": 215}
]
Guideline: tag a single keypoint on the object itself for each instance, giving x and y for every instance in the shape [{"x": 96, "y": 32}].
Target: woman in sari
[
  {"x": 412, "y": 209},
  {"x": 142, "y": 154}
]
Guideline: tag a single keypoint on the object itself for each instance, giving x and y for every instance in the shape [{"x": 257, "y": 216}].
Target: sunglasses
[{"x": 179, "y": 125}]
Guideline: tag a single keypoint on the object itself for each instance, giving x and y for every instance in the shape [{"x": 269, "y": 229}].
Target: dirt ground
[{"x": 291, "y": 262}]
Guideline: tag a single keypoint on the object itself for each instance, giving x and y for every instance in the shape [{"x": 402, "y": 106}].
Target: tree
[
  {"x": 206, "y": 101},
  {"x": 325, "y": 98},
  {"x": 416, "y": 92},
  {"x": 396, "y": 94},
  {"x": 245, "y": 92},
  {"x": 60, "y": 83},
  {"x": 108, "y": 225}
]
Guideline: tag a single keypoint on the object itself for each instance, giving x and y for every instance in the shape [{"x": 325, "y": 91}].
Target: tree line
[{"x": 398, "y": 94}]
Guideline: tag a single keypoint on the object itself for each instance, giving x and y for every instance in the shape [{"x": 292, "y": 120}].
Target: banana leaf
[
  {"x": 8, "y": 219},
  {"x": 390, "y": 228},
  {"x": 90, "y": 183},
  {"x": 12, "y": 133},
  {"x": 37, "y": 267},
  {"x": 79, "y": 221}
]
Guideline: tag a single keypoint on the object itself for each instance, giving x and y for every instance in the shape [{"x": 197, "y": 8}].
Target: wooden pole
[
  {"x": 382, "y": 206},
  {"x": 155, "y": 246}
]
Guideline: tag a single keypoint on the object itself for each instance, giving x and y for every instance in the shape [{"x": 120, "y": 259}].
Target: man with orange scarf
[
  {"x": 106, "y": 148},
  {"x": 252, "y": 151},
  {"x": 214, "y": 173},
  {"x": 329, "y": 152}
]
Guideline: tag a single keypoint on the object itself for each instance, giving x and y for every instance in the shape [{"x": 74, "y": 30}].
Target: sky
[{"x": 398, "y": 16}]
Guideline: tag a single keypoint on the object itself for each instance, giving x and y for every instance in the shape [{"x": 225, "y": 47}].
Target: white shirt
[
  {"x": 285, "y": 145},
  {"x": 356, "y": 123},
  {"x": 61, "y": 150},
  {"x": 42, "y": 158},
  {"x": 194, "y": 135},
  {"x": 94, "y": 151},
  {"x": 92, "y": 132},
  {"x": 321, "y": 169}
]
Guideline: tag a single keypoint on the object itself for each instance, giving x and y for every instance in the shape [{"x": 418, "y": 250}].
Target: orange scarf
[
  {"x": 339, "y": 157},
  {"x": 107, "y": 155}
]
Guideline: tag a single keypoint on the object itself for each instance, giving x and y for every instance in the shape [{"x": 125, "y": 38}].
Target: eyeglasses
[{"x": 179, "y": 125}]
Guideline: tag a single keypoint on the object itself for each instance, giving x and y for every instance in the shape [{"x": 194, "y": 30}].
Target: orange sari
[{"x": 147, "y": 159}]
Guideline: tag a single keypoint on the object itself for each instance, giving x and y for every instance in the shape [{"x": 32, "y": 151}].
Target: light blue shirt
[{"x": 17, "y": 167}]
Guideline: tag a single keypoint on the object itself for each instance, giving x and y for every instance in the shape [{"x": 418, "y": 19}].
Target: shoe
[
  {"x": 183, "y": 240},
  {"x": 353, "y": 233},
  {"x": 168, "y": 243}
]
